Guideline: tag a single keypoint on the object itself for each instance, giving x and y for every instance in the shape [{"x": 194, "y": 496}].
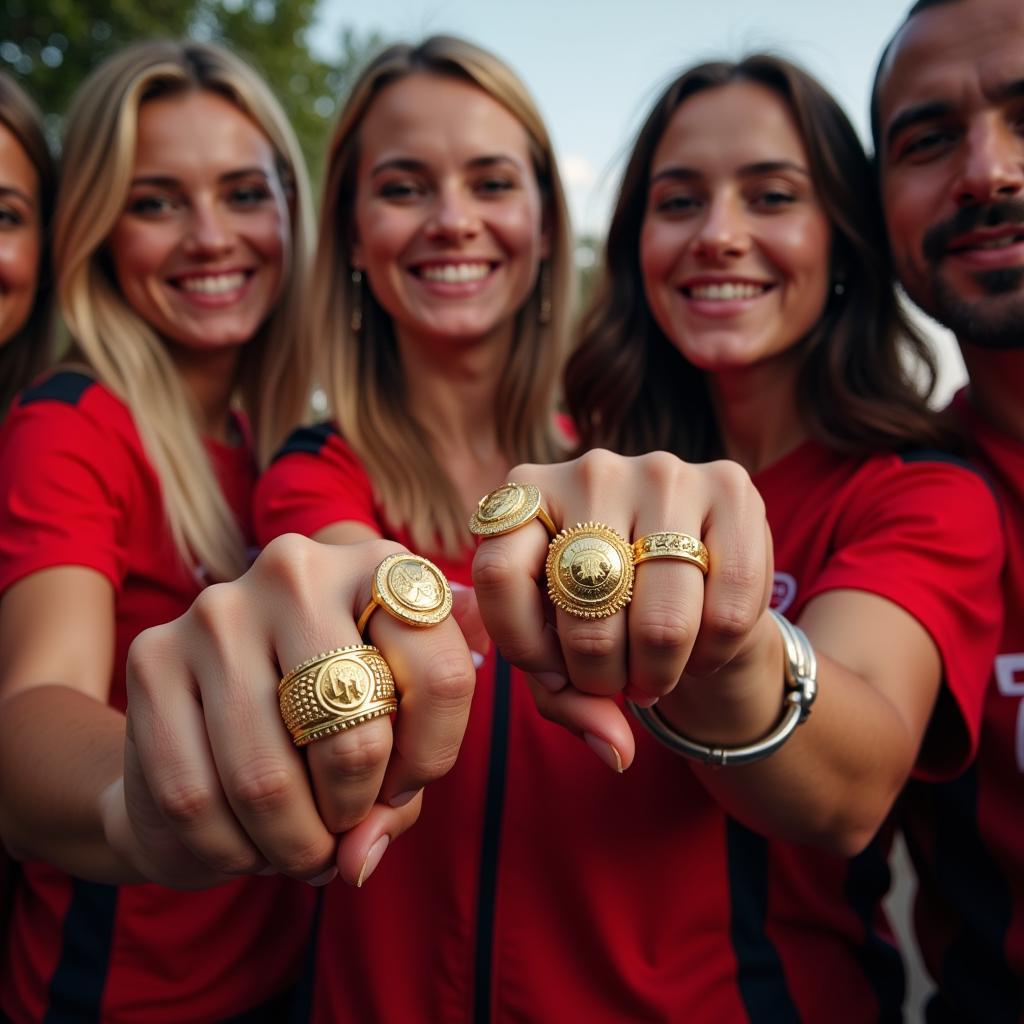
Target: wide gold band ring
[
  {"x": 590, "y": 571},
  {"x": 336, "y": 691},
  {"x": 410, "y": 588},
  {"x": 508, "y": 508},
  {"x": 672, "y": 545}
]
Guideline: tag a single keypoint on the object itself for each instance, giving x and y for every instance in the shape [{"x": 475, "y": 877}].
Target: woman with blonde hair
[
  {"x": 27, "y": 183},
  {"x": 180, "y": 253}
]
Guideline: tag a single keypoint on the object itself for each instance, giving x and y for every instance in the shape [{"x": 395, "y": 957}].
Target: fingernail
[
  {"x": 372, "y": 860},
  {"x": 328, "y": 876},
  {"x": 605, "y": 751},
  {"x": 478, "y": 658},
  {"x": 551, "y": 681},
  {"x": 401, "y": 799},
  {"x": 642, "y": 701}
]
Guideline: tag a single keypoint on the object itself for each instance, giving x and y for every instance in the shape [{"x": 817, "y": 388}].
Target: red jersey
[
  {"x": 967, "y": 836},
  {"x": 539, "y": 886},
  {"x": 77, "y": 489}
]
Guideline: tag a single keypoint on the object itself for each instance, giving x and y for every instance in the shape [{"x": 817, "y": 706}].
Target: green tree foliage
[{"x": 51, "y": 46}]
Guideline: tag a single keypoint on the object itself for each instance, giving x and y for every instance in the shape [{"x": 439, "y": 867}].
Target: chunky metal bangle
[{"x": 801, "y": 673}]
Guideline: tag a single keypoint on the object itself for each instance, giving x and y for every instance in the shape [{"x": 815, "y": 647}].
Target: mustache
[{"x": 986, "y": 215}]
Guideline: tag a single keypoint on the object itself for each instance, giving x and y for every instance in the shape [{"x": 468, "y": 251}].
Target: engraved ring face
[
  {"x": 412, "y": 589},
  {"x": 508, "y": 508},
  {"x": 590, "y": 571}
]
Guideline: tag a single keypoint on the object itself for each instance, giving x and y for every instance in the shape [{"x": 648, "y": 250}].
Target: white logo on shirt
[
  {"x": 1010, "y": 680},
  {"x": 783, "y": 592}
]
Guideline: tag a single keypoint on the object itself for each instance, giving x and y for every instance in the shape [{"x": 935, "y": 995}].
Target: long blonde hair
[
  {"x": 361, "y": 371},
  {"x": 127, "y": 354},
  {"x": 25, "y": 355}
]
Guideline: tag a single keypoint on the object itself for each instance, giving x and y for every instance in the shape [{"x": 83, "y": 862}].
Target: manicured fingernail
[
  {"x": 372, "y": 860},
  {"x": 550, "y": 681},
  {"x": 328, "y": 876},
  {"x": 605, "y": 751},
  {"x": 401, "y": 799},
  {"x": 478, "y": 658},
  {"x": 643, "y": 702}
]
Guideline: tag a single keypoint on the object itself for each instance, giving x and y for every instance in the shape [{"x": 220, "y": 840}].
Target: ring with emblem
[
  {"x": 507, "y": 508},
  {"x": 411, "y": 589},
  {"x": 590, "y": 571}
]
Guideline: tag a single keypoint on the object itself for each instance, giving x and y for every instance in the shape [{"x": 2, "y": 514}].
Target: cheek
[
  {"x": 19, "y": 262},
  {"x": 134, "y": 255},
  {"x": 659, "y": 250}
]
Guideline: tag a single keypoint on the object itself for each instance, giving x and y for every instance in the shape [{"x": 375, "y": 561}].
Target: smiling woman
[{"x": 125, "y": 478}]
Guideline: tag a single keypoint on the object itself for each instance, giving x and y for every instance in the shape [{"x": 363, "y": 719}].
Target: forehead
[
  {"x": 958, "y": 53},
  {"x": 196, "y": 131},
  {"x": 741, "y": 122},
  {"x": 436, "y": 117}
]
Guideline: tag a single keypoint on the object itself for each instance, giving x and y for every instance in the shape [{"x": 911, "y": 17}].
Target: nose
[
  {"x": 722, "y": 232},
  {"x": 209, "y": 231},
  {"x": 993, "y": 166},
  {"x": 454, "y": 214}
]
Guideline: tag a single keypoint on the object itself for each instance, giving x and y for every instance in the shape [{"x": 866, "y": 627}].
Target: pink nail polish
[
  {"x": 372, "y": 860},
  {"x": 551, "y": 681},
  {"x": 401, "y": 799},
  {"x": 322, "y": 879}
]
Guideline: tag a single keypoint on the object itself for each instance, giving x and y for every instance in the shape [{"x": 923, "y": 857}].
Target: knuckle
[
  {"x": 184, "y": 804},
  {"x": 306, "y": 860},
  {"x": 355, "y": 757},
  {"x": 521, "y": 652},
  {"x": 661, "y": 468},
  {"x": 260, "y": 788},
  {"x": 218, "y": 608},
  {"x": 450, "y": 683},
  {"x": 663, "y": 629},
  {"x": 147, "y": 653},
  {"x": 593, "y": 642},
  {"x": 492, "y": 569},
  {"x": 594, "y": 468},
  {"x": 286, "y": 563}
]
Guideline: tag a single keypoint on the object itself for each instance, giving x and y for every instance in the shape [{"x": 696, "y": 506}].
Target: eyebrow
[
  {"x": 401, "y": 163},
  {"x": 937, "y": 109},
  {"x": 169, "y": 181},
  {"x": 746, "y": 171},
  {"x": 10, "y": 190}
]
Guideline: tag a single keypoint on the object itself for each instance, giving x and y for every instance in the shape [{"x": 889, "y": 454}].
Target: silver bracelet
[{"x": 801, "y": 673}]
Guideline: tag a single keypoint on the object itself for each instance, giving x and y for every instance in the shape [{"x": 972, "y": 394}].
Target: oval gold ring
[
  {"x": 335, "y": 691},
  {"x": 411, "y": 589},
  {"x": 669, "y": 544},
  {"x": 590, "y": 571},
  {"x": 507, "y": 508}
]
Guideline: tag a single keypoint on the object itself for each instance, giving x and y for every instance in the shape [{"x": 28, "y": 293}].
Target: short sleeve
[
  {"x": 926, "y": 534},
  {"x": 65, "y": 472},
  {"x": 314, "y": 481}
]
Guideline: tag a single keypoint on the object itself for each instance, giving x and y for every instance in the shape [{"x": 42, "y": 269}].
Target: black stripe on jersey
[
  {"x": 307, "y": 440},
  {"x": 760, "y": 978},
  {"x": 274, "y": 1010},
  {"x": 68, "y": 386},
  {"x": 76, "y": 988},
  {"x": 976, "y": 982},
  {"x": 867, "y": 882}
]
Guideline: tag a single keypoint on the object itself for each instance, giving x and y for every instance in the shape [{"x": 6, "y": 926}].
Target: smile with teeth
[
  {"x": 212, "y": 284},
  {"x": 455, "y": 273},
  {"x": 725, "y": 291},
  {"x": 999, "y": 242}
]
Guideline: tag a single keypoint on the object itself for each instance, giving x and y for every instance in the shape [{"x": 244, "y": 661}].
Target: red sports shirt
[
  {"x": 539, "y": 886},
  {"x": 77, "y": 489},
  {"x": 967, "y": 835}
]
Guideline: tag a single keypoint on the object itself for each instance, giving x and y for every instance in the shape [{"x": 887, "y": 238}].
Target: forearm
[
  {"x": 61, "y": 749},
  {"x": 834, "y": 779}
]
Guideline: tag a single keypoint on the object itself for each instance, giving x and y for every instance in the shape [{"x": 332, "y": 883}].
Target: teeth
[
  {"x": 456, "y": 273},
  {"x": 722, "y": 292},
  {"x": 215, "y": 284},
  {"x": 1003, "y": 242}
]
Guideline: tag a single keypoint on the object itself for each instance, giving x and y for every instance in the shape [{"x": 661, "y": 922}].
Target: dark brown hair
[
  {"x": 629, "y": 389},
  {"x": 26, "y": 354}
]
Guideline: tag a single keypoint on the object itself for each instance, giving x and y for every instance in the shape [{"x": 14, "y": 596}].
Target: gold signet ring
[
  {"x": 336, "y": 691},
  {"x": 590, "y": 571},
  {"x": 410, "y": 588},
  {"x": 668, "y": 544},
  {"x": 508, "y": 508}
]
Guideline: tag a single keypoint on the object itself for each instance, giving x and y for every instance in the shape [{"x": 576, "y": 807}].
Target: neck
[
  {"x": 209, "y": 377},
  {"x": 757, "y": 413},
  {"x": 996, "y": 385}
]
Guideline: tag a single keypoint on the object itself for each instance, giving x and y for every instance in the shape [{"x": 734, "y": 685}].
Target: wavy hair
[
  {"x": 361, "y": 371},
  {"x": 31, "y": 348},
  {"x": 630, "y": 389},
  {"x": 121, "y": 348}
]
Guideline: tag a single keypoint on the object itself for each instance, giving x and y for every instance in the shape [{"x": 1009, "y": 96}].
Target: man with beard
[{"x": 948, "y": 121}]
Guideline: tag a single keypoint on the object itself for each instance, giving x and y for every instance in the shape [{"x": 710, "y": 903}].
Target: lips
[
  {"x": 461, "y": 272},
  {"x": 987, "y": 240},
  {"x": 724, "y": 291}
]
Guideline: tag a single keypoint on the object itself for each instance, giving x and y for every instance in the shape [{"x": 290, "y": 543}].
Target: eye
[
  {"x": 680, "y": 203},
  {"x": 773, "y": 199},
  {"x": 10, "y": 218},
  {"x": 494, "y": 185},
  {"x": 250, "y": 195},
  {"x": 151, "y": 205},
  {"x": 927, "y": 144},
  {"x": 401, "y": 190}
]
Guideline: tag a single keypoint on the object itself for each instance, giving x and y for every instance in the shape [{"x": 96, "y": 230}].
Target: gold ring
[
  {"x": 336, "y": 691},
  {"x": 410, "y": 588},
  {"x": 508, "y": 508},
  {"x": 590, "y": 571},
  {"x": 672, "y": 545}
]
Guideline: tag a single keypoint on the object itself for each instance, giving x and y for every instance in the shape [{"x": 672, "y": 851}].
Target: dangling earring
[
  {"x": 356, "y": 319},
  {"x": 839, "y": 285},
  {"x": 544, "y": 312}
]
